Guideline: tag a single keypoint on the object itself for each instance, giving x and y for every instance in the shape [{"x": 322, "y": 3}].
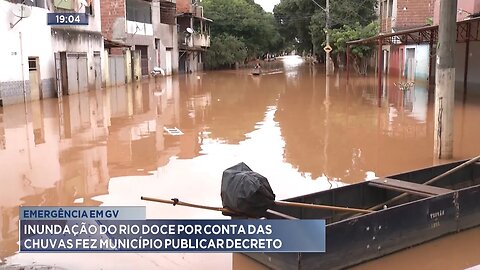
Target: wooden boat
[
  {"x": 256, "y": 71},
  {"x": 425, "y": 212}
]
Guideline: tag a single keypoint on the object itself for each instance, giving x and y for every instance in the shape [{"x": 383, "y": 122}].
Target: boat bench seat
[{"x": 408, "y": 187}]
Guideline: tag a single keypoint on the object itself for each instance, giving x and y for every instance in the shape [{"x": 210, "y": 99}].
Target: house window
[
  {"x": 139, "y": 11},
  {"x": 33, "y": 3},
  {"x": 64, "y": 4},
  {"x": 387, "y": 8},
  {"x": 32, "y": 63},
  {"x": 89, "y": 8},
  {"x": 167, "y": 13}
]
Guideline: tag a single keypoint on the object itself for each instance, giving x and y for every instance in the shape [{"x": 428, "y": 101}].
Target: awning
[
  {"x": 184, "y": 14},
  {"x": 114, "y": 44},
  {"x": 467, "y": 30}
]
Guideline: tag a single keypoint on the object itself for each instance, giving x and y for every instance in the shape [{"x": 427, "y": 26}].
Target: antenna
[{"x": 21, "y": 11}]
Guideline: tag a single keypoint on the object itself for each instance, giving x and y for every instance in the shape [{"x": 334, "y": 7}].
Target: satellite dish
[
  {"x": 190, "y": 30},
  {"x": 21, "y": 11},
  {"x": 82, "y": 3}
]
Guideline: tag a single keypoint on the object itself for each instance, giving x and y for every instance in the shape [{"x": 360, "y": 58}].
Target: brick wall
[
  {"x": 110, "y": 11},
  {"x": 167, "y": 13},
  {"x": 413, "y": 13},
  {"x": 183, "y": 6},
  {"x": 386, "y": 26}
]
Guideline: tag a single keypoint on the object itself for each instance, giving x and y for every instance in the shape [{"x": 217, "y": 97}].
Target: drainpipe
[{"x": 23, "y": 70}]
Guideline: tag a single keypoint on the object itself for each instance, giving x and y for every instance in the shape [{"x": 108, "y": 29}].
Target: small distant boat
[{"x": 256, "y": 71}]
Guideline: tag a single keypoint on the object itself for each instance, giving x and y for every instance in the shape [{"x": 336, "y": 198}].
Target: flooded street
[{"x": 304, "y": 132}]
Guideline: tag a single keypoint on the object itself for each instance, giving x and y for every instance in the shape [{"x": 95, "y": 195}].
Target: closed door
[
  {"x": 58, "y": 74},
  {"x": 116, "y": 69},
  {"x": 82, "y": 73},
  {"x": 34, "y": 78},
  {"x": 410, "y": 63},
  {"x": 144, "y": 58},
  {"x": 111, "y": 70},
  {"x": 98, "y": 69},
  {"x": 77, "y": 72},
  {"x": 72, "y": 74},
  {"x": 168, "y": 62}
]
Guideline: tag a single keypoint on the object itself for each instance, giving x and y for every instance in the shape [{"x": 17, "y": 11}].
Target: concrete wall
[
  {"x": 81, "y": 38},
  {"x": 422, "y": 61},
  {"x": 105, "y": 69},
  {"x": 168, "y": 41},
  {"x": 422, "y": 54},
  {"x": 117, "y": 28},
  {"x": 35, "y": 42},
  {"x": 70, "y": 41},
  {"x": 113, "y": 19},
  {"x": 193, "y": 64},
  {"x": 148, "y": 41},
  {"x": 473, "y": 63},
  {"x": 167, "y": 35},
  {"x": 40, "y": 40}
]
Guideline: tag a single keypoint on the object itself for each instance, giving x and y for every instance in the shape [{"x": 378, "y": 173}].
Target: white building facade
[{"x": 41, "y": 61}]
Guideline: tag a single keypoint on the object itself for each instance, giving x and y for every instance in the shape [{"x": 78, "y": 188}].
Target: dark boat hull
[{"x": 355, "y": 239}]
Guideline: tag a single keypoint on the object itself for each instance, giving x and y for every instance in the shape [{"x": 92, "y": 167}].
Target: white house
[{"x": 41, "y": 61}]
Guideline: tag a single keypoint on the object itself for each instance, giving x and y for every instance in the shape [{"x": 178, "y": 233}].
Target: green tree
[
  {"x": 245, "y": 20},
  {"x": 293, "y": 20},
  {"x": 303, "y": 22},
  {"x": 359, "y": 53},
  {"x": 225, "y": 50}
]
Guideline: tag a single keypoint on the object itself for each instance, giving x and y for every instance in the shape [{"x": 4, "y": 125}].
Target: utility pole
[
  {"x": 327, "y": 48},
  {"x": 445, "y": 80},
  {"x": 328, "y": 62}
]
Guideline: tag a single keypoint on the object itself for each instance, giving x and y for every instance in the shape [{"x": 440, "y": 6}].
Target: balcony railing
[
  {"x": 195, "y": 40},
  {"x": 202, "y": 40}
]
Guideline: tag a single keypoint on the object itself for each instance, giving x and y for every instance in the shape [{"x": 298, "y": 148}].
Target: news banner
[{"x": 126, "y": 229}]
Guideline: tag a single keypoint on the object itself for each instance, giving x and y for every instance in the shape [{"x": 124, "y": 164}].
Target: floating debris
[
  {"x": 173, "y": 131},
  {"x": 404, "y": 86}
]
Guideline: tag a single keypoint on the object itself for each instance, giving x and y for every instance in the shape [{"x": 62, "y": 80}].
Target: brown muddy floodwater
[{"x": 303, "y": 132}]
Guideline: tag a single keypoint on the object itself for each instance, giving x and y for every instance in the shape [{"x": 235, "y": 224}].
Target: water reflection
[
  {"x": 304, "y": 132},
  {"x": 2, "y": 130}
]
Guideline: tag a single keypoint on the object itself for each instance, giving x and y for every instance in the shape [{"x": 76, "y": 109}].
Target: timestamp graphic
[{"x": 67, "y": 19}]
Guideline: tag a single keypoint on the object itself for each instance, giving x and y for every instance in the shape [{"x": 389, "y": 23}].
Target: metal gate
[
  {"x": 77, "y": 72},
  {"x": 144, "y": 58},
  {"x": 58, "y": 72},
  {"x": 116, "y": 69},
  {"x": 97, "y": 62}
]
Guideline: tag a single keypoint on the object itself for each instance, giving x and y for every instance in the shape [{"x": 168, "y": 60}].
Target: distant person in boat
[{"x": 257, "y": 69}]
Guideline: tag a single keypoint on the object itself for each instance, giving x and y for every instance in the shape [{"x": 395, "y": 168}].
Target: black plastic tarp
[{"x": 245, "y": 191}]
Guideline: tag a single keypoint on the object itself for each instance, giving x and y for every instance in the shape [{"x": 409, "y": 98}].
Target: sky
[{"x": 267, "y": 4}]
